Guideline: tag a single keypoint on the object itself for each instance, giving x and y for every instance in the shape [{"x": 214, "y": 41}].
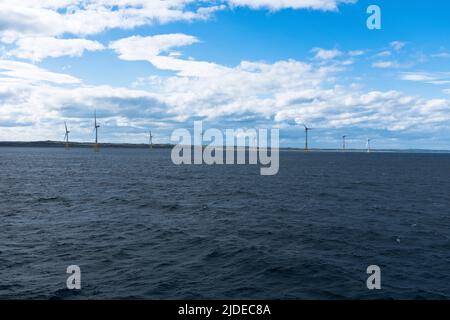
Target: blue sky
[{"x": 232, "y": 63}]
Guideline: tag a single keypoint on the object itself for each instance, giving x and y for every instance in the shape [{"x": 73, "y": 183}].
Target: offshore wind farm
[
  {"x": 96, "y": 144},
  {"x": 249, "y": 143},
  {"x": 224, "y": 150}
]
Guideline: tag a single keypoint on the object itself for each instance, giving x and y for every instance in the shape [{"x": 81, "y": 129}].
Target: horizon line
[{"x": 47, "y": 143}]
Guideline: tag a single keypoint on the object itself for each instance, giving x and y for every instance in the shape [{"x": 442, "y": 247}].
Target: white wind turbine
[
  {"x": 368, "y": 145},
  {"x": 96, "y": 126},
  {"x": 66, "y": 136},
  {"x": 150, "y": 141}
]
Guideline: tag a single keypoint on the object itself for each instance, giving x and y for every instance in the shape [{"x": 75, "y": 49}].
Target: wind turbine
[
  {"x": 368, "y": 145},
  {"x": 306, "y": 137},
  {"x": 96, "y": 126},
  {"x": 66, "y": 136},
  {"x": 343, "y": 143},
  {"x": 150, "y": 141}
]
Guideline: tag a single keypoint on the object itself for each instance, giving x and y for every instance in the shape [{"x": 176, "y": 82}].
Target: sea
[{"x": 140, "y": 227}]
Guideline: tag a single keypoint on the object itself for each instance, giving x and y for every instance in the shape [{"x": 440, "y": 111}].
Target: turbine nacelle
[{"x": 96, "y": 126}]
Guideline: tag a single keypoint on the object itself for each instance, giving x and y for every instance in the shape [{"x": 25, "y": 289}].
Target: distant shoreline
[{"x": 59, "y": 144}]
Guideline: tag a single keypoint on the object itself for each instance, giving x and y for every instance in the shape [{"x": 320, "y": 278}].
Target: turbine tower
[
  {"x": 66, "y": 136},
  {"x": 150, "y": 141},
  {"x": 306, "y": 137},
  {"x": 368, "y": 145},
  {"x": 343, "y": 143},
  {"x": 96, "y": 126}
]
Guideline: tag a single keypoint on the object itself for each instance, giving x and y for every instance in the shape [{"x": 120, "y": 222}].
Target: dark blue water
[{"x": 140, "y": 227}]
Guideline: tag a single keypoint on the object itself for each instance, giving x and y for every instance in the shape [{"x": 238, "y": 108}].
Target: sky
[{"x": 163, "y": 64}]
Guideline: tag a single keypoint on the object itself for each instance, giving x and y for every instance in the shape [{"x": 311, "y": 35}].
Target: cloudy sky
[{"x": 162, "y": 64}]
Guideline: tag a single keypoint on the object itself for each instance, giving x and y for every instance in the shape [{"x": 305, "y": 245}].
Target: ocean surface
[{"x": 140, "y": 227}]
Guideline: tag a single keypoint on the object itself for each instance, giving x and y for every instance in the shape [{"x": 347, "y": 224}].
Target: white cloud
[
  {"x": 48, "y": 18},
  {"x": 397, "y": 45},
  {"x": 417, "y": 77},
  {"x": 14, "y": 71},
  {"x": 323, "y": 54},
  {"x": 356, "y": 53},
  {"x": 293, "y": 91},
  {"x": 266, "y": 93},
  {"x": 39, "y": 48},
  {"x": 146, "y": 48},
  {"x": 446, "y": 91},
  {"x": 151, "y": 49},
  {"x": 444, "y": 55},
  {"x": 269, "y": 94},
  {"x": 385, "y": 53},
  {"x": 386, "y": 64},
  {"x": 289, "y": 91},
  {"x": 438, "y": 78},
  {"x": 37, "y": 27},
  {"x": 326, "y": 5},
  {"x": 88, "y": 17}
]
